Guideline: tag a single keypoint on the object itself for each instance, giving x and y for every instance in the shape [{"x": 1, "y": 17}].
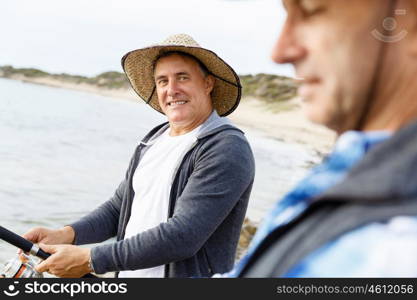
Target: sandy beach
[{"x": 288, "y": 125}]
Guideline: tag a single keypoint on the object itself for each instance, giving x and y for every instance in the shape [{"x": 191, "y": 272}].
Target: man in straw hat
[
  {"x": 355, "y": 215},
  {"x": 180, "y": 208}
]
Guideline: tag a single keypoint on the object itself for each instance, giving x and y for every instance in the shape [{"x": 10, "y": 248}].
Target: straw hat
[{"x": 138, "y": 66}]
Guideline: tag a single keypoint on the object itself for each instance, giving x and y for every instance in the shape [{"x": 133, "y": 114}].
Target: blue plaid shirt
[{"x": 365, "y": 252}]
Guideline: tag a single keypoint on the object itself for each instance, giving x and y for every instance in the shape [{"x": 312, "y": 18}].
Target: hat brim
[{"x": 138, "y": 66}]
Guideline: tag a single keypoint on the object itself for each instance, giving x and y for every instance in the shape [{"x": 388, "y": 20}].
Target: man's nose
[
  {"x": 288, "y": 48},
  {"x": 172, "y": 88}
]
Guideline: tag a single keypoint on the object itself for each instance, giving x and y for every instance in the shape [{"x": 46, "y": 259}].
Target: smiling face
[
  {"x": 329, "y": 42},
  {"x": 183, "y": 92}
]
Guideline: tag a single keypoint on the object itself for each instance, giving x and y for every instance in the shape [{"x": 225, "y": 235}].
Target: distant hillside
[
  {"x": 265, "y": 87},
  {"x": 110, "y": 80}
]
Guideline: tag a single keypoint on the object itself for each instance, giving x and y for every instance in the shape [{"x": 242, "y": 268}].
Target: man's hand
[
  {"x": 66, "y": 261},
  {"x": 43, "y": 235}
]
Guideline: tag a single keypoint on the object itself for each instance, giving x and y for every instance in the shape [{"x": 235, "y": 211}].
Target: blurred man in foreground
[{"x": 355, "y": 214}]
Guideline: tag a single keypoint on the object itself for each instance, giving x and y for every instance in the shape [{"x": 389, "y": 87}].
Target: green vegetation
[
  {"x": 274, "y": 90},
  {"x": 110, "y": 80},
  {"x": 8, "y": 71}
]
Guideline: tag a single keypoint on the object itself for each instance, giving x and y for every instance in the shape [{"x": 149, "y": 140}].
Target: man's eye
[
  {"x": 311, "y": 8},
  {"x": 183, "y": 77},
  {"x": 312, "y": 11},
  {"x": 162, "y": 82}
]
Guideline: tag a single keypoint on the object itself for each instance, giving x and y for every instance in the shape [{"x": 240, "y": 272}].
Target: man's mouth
[
  {"x": 307, "y": 85},
  {"x": 307, "y": 80},
  {"x": 176, "y": 103}
]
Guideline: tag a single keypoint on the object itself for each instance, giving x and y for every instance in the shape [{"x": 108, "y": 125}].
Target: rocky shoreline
[{"x": 249, "y": 229}]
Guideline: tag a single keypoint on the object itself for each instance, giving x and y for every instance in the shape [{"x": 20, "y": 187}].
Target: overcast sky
[{"x": 90, "y": 36}]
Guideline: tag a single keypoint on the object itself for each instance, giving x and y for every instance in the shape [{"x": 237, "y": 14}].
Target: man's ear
[{"x": 209, "y": 80}]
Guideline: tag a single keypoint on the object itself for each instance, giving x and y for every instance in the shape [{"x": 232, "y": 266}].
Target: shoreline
[{"x": 287, "y": 125}]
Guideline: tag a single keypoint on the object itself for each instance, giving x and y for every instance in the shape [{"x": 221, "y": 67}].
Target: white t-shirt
[{"x": 152, "y": 185}]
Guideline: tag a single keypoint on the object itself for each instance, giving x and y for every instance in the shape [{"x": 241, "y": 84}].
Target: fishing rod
[{"x": 27, "y": 246}]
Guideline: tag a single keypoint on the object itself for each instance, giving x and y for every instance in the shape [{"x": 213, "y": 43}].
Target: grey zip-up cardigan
[{"x": 208, "y": 201}]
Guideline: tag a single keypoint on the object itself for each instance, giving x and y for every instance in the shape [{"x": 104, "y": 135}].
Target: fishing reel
[{"x": 21, "y": 266}]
